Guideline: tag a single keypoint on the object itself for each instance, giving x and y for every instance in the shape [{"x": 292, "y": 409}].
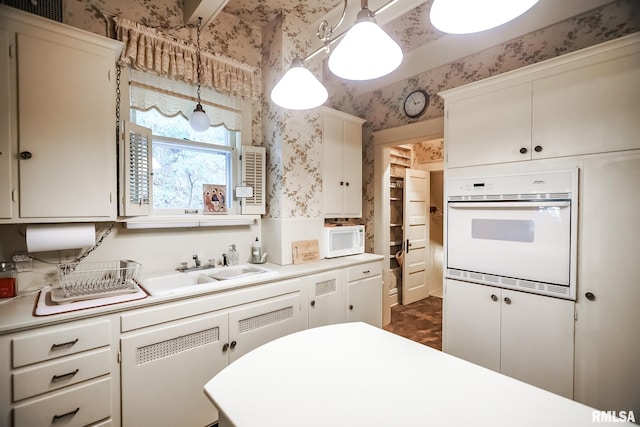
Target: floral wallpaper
[{"x": 251, "y": 32}]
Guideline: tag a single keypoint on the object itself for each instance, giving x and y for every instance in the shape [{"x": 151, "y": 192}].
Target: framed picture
[{"x": 214, "y": 198}]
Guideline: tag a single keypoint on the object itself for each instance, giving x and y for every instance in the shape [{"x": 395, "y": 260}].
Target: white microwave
[{"x": 343, "y": 240}]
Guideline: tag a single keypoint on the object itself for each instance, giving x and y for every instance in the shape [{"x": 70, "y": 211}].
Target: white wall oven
[{"x": 514, "y": 231}]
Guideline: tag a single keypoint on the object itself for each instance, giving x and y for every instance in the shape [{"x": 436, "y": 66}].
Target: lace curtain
[{"x": 147, "y": 49}]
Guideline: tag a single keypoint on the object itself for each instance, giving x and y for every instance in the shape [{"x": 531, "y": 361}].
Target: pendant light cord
[{"x": 198, "y": 60}]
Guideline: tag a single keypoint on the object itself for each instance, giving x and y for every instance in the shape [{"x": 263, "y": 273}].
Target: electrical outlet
[{"x": 23, "y": 262}]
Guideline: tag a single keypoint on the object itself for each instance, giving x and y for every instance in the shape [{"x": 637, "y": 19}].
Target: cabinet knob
[
  {"x": 523, "y": 150},
  {"x": 538, "y": 148},
  {"x": 350, "y": 306},
  {"x": 26, "y": 155},
  {"x": 346, "y": 183},
  {"x": 341, "y": 182},
  {"x": 590, "y": 296},
  {"x": 225, "y": 347},
  {"x": 494, "y": 297},
  {"x": 233, "y": 345},
  {"x": 507, "y": 300},
  {"x": 313, "y": 303}
]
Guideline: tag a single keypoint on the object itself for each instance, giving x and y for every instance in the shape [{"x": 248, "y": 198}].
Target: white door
[
  {"x": 471, "y": 323},
  {"x": 416, "y": 235},
  {"x": 537, "y": 340},
  {"x": 607, "y": 338}
]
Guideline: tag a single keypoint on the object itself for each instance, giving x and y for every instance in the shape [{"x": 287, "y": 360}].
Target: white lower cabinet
[
  {"x": 364, "y": 293},
  {"x": 525, "y": 336},
  {"x": 59, "y": 375},
  {"x": 326, "y": 299},
  {"x": 165, "y": 367}
]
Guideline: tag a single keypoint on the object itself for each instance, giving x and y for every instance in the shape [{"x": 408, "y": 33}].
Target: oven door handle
[{"x": 509, "y": 205}]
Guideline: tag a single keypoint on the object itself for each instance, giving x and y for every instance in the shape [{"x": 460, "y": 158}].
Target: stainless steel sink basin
[{"x": 206, "y": 279}]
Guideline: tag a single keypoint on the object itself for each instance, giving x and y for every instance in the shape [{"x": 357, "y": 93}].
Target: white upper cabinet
[
  {"x": 342, "y": 175},
  {"x": 62, "y": 108},
  {"x": 494, "y": 127},
  {"x": 585, "y": 102}
]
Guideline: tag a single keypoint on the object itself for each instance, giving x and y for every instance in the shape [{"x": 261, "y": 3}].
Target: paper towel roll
[{"x": 54, "y": 237}]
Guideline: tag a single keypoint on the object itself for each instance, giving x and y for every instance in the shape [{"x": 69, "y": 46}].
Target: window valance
[{"x": 147, "y": 49}]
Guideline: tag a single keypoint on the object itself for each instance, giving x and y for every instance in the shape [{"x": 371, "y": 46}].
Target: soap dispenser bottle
[
  {"x": 256, "y": 252},
  {"x": 233, "y": 256}
]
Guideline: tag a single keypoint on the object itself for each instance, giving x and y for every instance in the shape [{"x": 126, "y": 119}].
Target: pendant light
[
  {"x": 365, "y": 52},
  {"x": 471, "y": 16},
  {"x": 299, "y": 89},
  {"x": 199, "y": 120}
]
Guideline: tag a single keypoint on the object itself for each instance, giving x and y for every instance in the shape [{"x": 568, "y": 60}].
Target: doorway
[{"x": 409, "y": 225}]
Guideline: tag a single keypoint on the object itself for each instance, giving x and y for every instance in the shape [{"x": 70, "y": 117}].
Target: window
[{"x": 182, "y": 166}]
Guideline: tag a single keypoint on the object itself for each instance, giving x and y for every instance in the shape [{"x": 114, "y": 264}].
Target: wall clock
[{"x": 416, "y": 103}]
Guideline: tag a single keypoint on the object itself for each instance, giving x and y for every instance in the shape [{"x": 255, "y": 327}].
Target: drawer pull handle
[
  {"x": 63, "y": 376},
  {"x": 57, "y": 418},
  {"x": 366, "y": 272},
  {"x": 64, "y": 344}
]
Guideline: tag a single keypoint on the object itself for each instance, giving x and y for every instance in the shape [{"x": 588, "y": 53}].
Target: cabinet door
[
  {"x": 66, "y": 99},
  {"x": 471, "y": 323},
  {"x": 334, "y": 163},
  {"x": 489, "y": 128},
  {"x": 164, "y": 371},
  {"x": 593, "y": 109},
  {"x": 326, "y": 299},
  {"x": 252, "y": 325},
  {"x": 6, "y": 113},
  {"x": 364, "y": 301},
  {"x": 352, "y": 153},
  {"x": 607, "y": 338},
  {"x": 537, "y": 340}
]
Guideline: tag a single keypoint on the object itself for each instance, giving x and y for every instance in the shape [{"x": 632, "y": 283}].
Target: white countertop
[
  {"x": 16, "y": 314},
  {"x": 342, "y": 375}
]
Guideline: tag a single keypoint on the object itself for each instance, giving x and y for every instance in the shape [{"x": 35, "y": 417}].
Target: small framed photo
[{"x": 214, "y": 198}]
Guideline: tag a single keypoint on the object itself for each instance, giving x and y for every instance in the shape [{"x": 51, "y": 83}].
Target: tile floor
[{"x": 420, "y": 321}]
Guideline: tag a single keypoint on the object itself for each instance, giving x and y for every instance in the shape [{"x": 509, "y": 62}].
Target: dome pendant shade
[
  {"x": 472, "y": 16},
  {"x": 366, "y": 52},
  {"x": 299, "y": 89},
  {"x": 199, "y": 121}
]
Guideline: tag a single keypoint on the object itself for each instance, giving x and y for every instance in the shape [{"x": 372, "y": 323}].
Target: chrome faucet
[{"x": 195, "y": 258}]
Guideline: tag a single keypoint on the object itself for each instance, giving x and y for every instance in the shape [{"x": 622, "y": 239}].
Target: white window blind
[
  {"x": 135, "y": 171},
  {"x": 253, "y": 174}
]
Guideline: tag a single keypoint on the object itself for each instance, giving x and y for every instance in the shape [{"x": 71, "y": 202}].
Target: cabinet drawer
[
  {"x": 364, "y": 270},
  {"x": 60, "y": 373},
  {"x": 59, "y": 341},
  {"x": 78, "y": 406}
]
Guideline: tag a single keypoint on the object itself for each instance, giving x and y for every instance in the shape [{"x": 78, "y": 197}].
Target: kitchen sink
[{"x": 210, "y": 279}]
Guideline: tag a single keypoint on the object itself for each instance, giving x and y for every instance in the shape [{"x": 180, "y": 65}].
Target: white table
[{"x": 354, "y": 374}]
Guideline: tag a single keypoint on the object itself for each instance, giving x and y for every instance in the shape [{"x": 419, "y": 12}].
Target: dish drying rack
[{"x": 95, "y": 280}]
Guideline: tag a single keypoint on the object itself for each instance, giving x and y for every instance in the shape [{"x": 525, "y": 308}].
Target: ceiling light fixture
[
  {"x": 472, "y": 16},
  {"x": 365, "y": 52},
  {"x": 199, "y": 120}
]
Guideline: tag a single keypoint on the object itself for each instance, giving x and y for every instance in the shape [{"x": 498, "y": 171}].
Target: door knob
[{"x": 590, "y": 296}]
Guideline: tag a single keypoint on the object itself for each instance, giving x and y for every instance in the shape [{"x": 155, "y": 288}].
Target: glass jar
[{"x": 7, "y": 280}]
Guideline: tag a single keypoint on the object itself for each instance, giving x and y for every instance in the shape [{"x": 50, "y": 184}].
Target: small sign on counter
[{"x": 305, "y": 251}]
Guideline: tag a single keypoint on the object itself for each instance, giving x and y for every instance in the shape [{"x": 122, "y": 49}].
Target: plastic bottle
[
  {"x": 256, "y": 252},
  {"x": 233, "y": 256}
]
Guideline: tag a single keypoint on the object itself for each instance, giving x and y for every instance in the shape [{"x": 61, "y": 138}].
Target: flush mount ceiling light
[
  {"x": 199, "y": 120},
  {"x": 365, "y": 52},
  {"x": 471, "y": 16}
]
